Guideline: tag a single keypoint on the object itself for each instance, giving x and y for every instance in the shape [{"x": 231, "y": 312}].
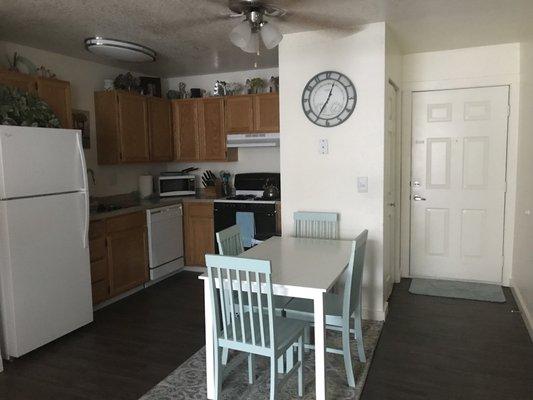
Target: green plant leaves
[{"x": 24, "y": 109}]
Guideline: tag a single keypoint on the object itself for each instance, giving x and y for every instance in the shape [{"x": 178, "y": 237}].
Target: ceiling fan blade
[{"x": 317, "y": 21}]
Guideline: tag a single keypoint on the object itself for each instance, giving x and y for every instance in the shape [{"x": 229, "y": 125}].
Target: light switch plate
[
  {"x": 362, "y": 184},
  {"x": 323, "y": 146}
]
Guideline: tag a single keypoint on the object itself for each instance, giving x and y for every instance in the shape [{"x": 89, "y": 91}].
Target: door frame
[{"x": 512, "y": 81}]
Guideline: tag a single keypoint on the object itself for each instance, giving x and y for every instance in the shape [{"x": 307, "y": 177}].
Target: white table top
[{"x": 314, "y": 264}]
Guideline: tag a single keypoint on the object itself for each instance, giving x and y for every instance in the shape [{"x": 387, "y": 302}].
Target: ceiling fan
[{"x": 257, "y": 26}]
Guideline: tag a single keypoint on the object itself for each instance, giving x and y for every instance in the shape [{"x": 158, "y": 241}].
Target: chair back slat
[
  {"x": 319, "y": 225},
  {"x": 230, "y": 241},
  {"x": 353, "y": 284},
  {"x": 229, "y": 272}
]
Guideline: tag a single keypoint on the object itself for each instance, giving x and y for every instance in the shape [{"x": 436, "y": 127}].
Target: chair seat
[
  {"x": 303, "y": 309},
  {"x": 287, "y": 332}
]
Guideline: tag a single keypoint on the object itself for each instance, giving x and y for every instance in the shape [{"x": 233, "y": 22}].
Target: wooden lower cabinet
[
  {"x": 199, "y": 232},
  {"x": 119, "y": 255}
]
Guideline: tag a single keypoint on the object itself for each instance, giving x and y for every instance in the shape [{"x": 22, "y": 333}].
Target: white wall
[
  {"x": 463, "y": 68},
  {"x": 522, "y": 277},
  {"x": 314, "y": 182},
  {"x": 85, "y": 78},
  {"x": 250, "y": 159}
]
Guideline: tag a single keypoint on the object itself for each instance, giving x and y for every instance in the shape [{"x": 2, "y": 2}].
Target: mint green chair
[
  {"x": 318, "y": 225},
  {"x": 251, "y": 332},
  {"x": 340, "y": 309},
  {"x": 230, "y": 241}
]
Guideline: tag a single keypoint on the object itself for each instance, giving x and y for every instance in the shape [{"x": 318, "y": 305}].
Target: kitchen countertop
[{"x": 130, "y": 204}]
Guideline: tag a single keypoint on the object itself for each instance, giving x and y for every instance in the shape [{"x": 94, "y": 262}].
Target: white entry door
[{"x": 458, "y": 184}]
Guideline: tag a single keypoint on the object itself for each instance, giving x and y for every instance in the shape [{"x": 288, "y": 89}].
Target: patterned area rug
[{"x": 187, "y": 382}]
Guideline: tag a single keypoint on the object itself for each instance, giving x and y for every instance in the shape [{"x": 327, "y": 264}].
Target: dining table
[{"x": 301, "y": 267}]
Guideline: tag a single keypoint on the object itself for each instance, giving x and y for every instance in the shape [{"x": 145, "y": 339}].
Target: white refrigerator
[{"x": 45, "y": 281}]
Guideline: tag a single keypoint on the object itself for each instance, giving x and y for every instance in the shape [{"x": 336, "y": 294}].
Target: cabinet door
[
  {"x": 160, "y": 129},
  {"x": 127, "y": 259},
  {"x": 185, "y": 117},
  {"x": 56, "y": 94},
  {"x": 239, "y": 114},
  {"x": 199, "y": 232},
  {"x": 23, "y": 82},
  {"x": 211, "y": 126},
  {"x": 107, "y": 129},
  {"x": 133, "y": 127},
  {"x": 266, "y": 112}
]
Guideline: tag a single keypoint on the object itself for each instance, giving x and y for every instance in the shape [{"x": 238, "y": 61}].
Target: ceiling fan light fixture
[
  {"x": 119, "y": 50},
  {"x": 240, "y": 35},
  {"x": 271, "y": 35},
  {"x": 253, "y": 44}
]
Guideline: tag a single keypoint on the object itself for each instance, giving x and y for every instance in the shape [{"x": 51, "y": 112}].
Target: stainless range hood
[{"x": 253, "y": 140}]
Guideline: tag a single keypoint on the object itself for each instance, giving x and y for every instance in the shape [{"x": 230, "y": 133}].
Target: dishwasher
[{"x": 165, "y": 241}]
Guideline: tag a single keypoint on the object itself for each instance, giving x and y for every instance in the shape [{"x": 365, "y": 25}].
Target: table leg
[
  {"x": 209, "y": 345},
  {"x": 320, "y": 347}
]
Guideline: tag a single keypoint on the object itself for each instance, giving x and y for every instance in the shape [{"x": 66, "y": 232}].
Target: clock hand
[{"x": 326, "y": 102}]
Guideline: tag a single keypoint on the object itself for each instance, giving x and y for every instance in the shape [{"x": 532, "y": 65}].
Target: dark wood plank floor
[
  {"x": 441, "y": 348},
  {"x": 431, "y": 348}
]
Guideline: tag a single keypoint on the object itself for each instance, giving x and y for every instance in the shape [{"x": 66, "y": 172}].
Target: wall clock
[{"x": 329, "y": 98}]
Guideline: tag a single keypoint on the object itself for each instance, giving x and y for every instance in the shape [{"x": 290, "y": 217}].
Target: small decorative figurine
[
  {"x": 219, "y": 88},
  {"x": 182, "y": 91},
  {"x": 273, "y": 84},
  {"x": 248, "y": 86}
]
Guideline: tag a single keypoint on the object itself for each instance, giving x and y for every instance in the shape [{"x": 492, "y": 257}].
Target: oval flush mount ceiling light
[{"x": 119, "y": 50}]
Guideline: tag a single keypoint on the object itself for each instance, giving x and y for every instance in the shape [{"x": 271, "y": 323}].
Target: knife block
[{"x": 213, "y": 192}]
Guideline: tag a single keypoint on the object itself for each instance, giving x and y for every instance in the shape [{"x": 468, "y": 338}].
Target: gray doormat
[
  {"x": 459, "y": 290},
  {"x": 187, "y": 382}
]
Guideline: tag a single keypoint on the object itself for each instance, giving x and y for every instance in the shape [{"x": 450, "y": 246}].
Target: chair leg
[
  {"x": 347, "y": 355},
  {"x": 281, "y": 365},
  {"x": 218, "y": 373},
  {"x": 290, "y": 358},
  {"x": 273, "y": 379},
  {"x": 301, "y": 368},
  {"x": 307, "y": 337},
  {"x": 225, "y": 352},
  {"x": 358, "y": 333},
  {"x": 251, "y": 368}
]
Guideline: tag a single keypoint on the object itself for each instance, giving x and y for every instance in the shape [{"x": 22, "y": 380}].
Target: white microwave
[{"x": 169, "y": 185}]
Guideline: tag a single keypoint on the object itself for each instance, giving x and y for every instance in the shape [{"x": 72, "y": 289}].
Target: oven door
[
  {"x": 176, "y": 186},
  {"x": 264, "y": 218}
]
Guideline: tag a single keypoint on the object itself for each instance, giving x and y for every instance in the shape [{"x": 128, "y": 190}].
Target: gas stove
[{"x": 249, "y": 188}]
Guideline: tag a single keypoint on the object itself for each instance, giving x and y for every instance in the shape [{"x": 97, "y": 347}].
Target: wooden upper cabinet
[
  {"x": 266, "y": 112},
  {"x": 211, "y": 129},
  {"x": 23, "y": 82},
  {"x": 160, "y": 129},
  {"x": 185, "y": 125},
  {"x": 107, "y": 129},
  {"x": 56, "y": 94},
  {"x": 239, "y": 114},
  {"x": 133, "y": 127}
]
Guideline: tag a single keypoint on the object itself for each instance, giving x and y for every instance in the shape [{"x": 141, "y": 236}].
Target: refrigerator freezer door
[
  {"x": 37, "y": 161},
  {"x": 44, "y": 270}
]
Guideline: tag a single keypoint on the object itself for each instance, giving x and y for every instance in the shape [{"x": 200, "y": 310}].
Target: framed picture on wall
[{"x": 81, "y": 120}]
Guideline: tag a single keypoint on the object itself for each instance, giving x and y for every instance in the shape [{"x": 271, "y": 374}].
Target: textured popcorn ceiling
[{"x": 191, "y": 37}]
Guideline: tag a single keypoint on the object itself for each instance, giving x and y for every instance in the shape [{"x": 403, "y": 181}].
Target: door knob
[{"x": 418, "y": 198}]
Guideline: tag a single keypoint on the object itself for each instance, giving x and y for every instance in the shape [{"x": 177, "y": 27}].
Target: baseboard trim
[
  {"x": 118, "y": 298},
  {"x": 195, "y": 269},
  {"x": 526, "y": 316}
]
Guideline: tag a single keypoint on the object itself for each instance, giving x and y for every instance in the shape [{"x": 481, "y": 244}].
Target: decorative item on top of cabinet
[
  {"x": 160, "y": 129},
  {"x": 199, "y": 235},
  {"x": 54, "y": 92}
]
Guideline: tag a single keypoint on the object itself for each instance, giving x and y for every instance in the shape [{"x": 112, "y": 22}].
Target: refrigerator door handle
[{"x": 85, "y": 191}]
